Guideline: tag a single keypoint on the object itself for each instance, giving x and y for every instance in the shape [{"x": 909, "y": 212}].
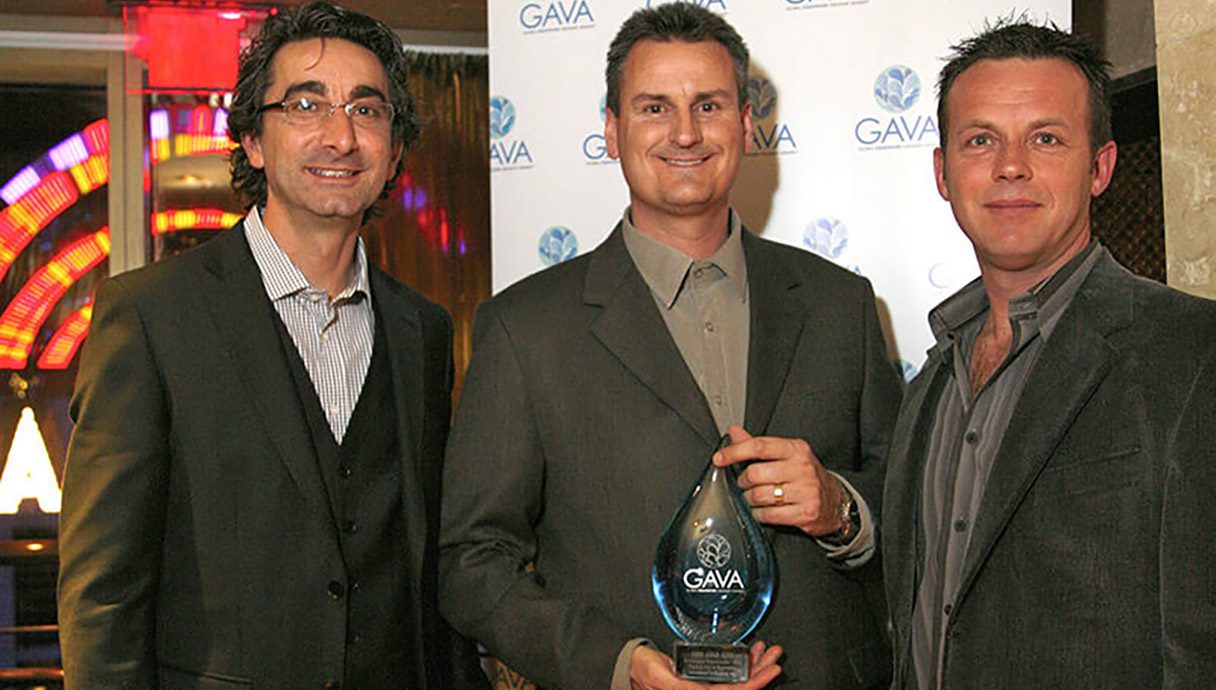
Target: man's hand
[
  {"x": 651, "y": 669},
  {"x": 786, "y": 484}
]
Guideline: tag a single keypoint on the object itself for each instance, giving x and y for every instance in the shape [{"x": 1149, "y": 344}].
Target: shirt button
[
  {"x": 971, "y": 437},
  {"x": 709, "y": 327},
  {"x": 333, "y": 409},
  {"x": 948, "y": 609},
  {"x": 960, "y": 525},
  {"x": 717, "y": 400},
  {"x": 350, "y": 527},
  {"x": 355, "y": 638},
  {"x": 325, "y": 336},
  {"x": 354, "y": 586},
  {"x": 335, "y": 589},
  {"x": 345, "y": 471}
]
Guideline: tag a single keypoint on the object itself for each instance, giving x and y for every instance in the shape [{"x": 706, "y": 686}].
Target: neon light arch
[{"x": 44, "y": 189}]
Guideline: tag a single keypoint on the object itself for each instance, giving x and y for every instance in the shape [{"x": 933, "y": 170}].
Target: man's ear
[
  {"x": 610, "y": 142},
  {"x": 1104, "y": 168},
  {"x": 939, "y": 172},
  {"x": 253, "y": 150},
  {"x": 748, "y": 128}
]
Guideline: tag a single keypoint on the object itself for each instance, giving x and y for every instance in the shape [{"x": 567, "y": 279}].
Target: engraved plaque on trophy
[{"x": 713, "y": 578}]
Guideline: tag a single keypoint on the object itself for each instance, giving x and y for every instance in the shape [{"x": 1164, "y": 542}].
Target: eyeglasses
[{"x": 367, "y": 113}]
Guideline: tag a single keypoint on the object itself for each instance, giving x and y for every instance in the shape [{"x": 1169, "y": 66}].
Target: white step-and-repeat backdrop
[{"x": 844, "y": 103}]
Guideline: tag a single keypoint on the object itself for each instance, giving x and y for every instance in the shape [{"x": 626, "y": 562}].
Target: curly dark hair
[
  {"x": 1018, "y": 38},
  {"x": 676, "y": 21},
  {"x": 314, "y": 20}
]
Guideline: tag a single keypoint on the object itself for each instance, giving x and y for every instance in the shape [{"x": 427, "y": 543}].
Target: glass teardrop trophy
[{"x": 713, "y": 578}]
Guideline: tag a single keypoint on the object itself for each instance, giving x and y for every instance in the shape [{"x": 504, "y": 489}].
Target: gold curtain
[{"x": 435, "y": 232}]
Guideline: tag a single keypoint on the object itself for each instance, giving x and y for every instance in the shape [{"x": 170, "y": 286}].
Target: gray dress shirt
[{"x": 967, "y": 433}]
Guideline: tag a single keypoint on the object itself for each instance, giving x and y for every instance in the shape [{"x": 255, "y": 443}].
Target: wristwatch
[{"x": 850, "y": 523}]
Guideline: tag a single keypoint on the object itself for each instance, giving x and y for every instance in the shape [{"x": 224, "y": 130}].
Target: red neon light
[
  {"x": 92, "y": 172},
  {"x": 31, "y": 213},
  {"x": 67, "y": 339},
  {"x": 188, "y": 49},
  {"x": 27, "y": 311},
  {"x": 193, "y": 219},
  {"x": 97, "y": 137}
]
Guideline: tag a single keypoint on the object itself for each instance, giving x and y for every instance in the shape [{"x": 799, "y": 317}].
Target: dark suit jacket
[
  {"x": 197, "y": 544},
  {"x": 580, "y": 432},
  {"x": 1091, "y": 564}
]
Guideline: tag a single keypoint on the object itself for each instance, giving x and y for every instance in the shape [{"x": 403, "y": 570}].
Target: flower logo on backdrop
[
  {"x": 769, "y": 135},
  {"x": 595, "y": 148},
  {"x": 506, "y": 152},
  {"x": 557, "y": 15},
  {"x": 763, "y": 97},
  {"x": 907, "y": 122},
  {"x": 819, "y": 4},
  {"x": 829, "y": 238},
  {"x": 556, "y": 245},
  {"x": 714, "y": 5},
  {"x": 502, "y": 117},
  {"x": 713, "y": 551},
  {"x": 897, "y": 88}
]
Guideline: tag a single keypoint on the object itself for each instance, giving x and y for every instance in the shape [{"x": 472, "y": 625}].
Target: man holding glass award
[{"x": 597, "y": 395}]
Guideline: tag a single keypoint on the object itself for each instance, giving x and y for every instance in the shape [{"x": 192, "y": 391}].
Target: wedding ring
[{"x": 778, "y": 494}]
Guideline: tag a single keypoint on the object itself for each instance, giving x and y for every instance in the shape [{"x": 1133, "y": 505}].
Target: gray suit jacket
[
  {"x": 1091, "y": 561},
  {"x": 198, "y": 548},
  {"x": 580, "y": 432}
]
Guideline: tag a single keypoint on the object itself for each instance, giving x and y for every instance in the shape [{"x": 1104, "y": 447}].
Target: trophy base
[{"x": 716, "y": 663}]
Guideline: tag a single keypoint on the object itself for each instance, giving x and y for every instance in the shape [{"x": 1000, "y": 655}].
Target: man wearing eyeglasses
[{"x": 251, "y": 490}]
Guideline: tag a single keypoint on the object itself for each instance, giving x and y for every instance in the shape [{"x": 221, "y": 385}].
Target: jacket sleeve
[
  {"x": 114, "y": 493},
  {"x": 881, "y": 392},
  {"x": 493, "y": 495},
  {"x": 1188, "y": 542}
]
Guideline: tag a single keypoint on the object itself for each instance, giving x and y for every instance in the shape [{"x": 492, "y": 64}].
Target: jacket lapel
[
  {"x": 242, "y": 314},
  {"x": 1074, "y": 361},
  {"x": 903, "y": 547},
  {"x": 403, "y": 334},
  {"x": 774, "y": 331},
  {"x": 632, "y": 329}
]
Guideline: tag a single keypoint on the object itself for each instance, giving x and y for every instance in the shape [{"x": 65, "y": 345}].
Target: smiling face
[
  {"x": 681, "y": 133},
  {"x": 1018, "y": 168},
  {"x": 331, "y": 172}
]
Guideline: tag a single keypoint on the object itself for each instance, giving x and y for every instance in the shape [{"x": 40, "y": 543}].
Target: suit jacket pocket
[
  {"x": 172, "y": 678},
  {"x": 1093, "y": 474}
]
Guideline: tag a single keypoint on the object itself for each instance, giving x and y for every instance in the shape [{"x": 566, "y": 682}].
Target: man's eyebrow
[
  {"x": 316, "y": 87},
  {"x": 642, "y": 97},
  {"x": 365, "y": 91},
  {"x": 312, "y": 86}
]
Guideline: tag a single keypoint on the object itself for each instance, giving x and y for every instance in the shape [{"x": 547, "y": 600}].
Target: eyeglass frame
[{"x": 333, "y": 107}]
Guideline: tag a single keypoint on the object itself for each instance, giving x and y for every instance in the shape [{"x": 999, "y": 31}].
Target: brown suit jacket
[
  {"x": 1091, "y": 560},
  {"x": 197, "y": 544},
  {"x": 581, "y": 430}
]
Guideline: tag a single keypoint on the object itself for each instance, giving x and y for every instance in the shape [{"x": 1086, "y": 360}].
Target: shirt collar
[
  {"x": 1040, "y": 307},
  {"x": 280, "y": 276},
  {"x": 664, "y": 268}
]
